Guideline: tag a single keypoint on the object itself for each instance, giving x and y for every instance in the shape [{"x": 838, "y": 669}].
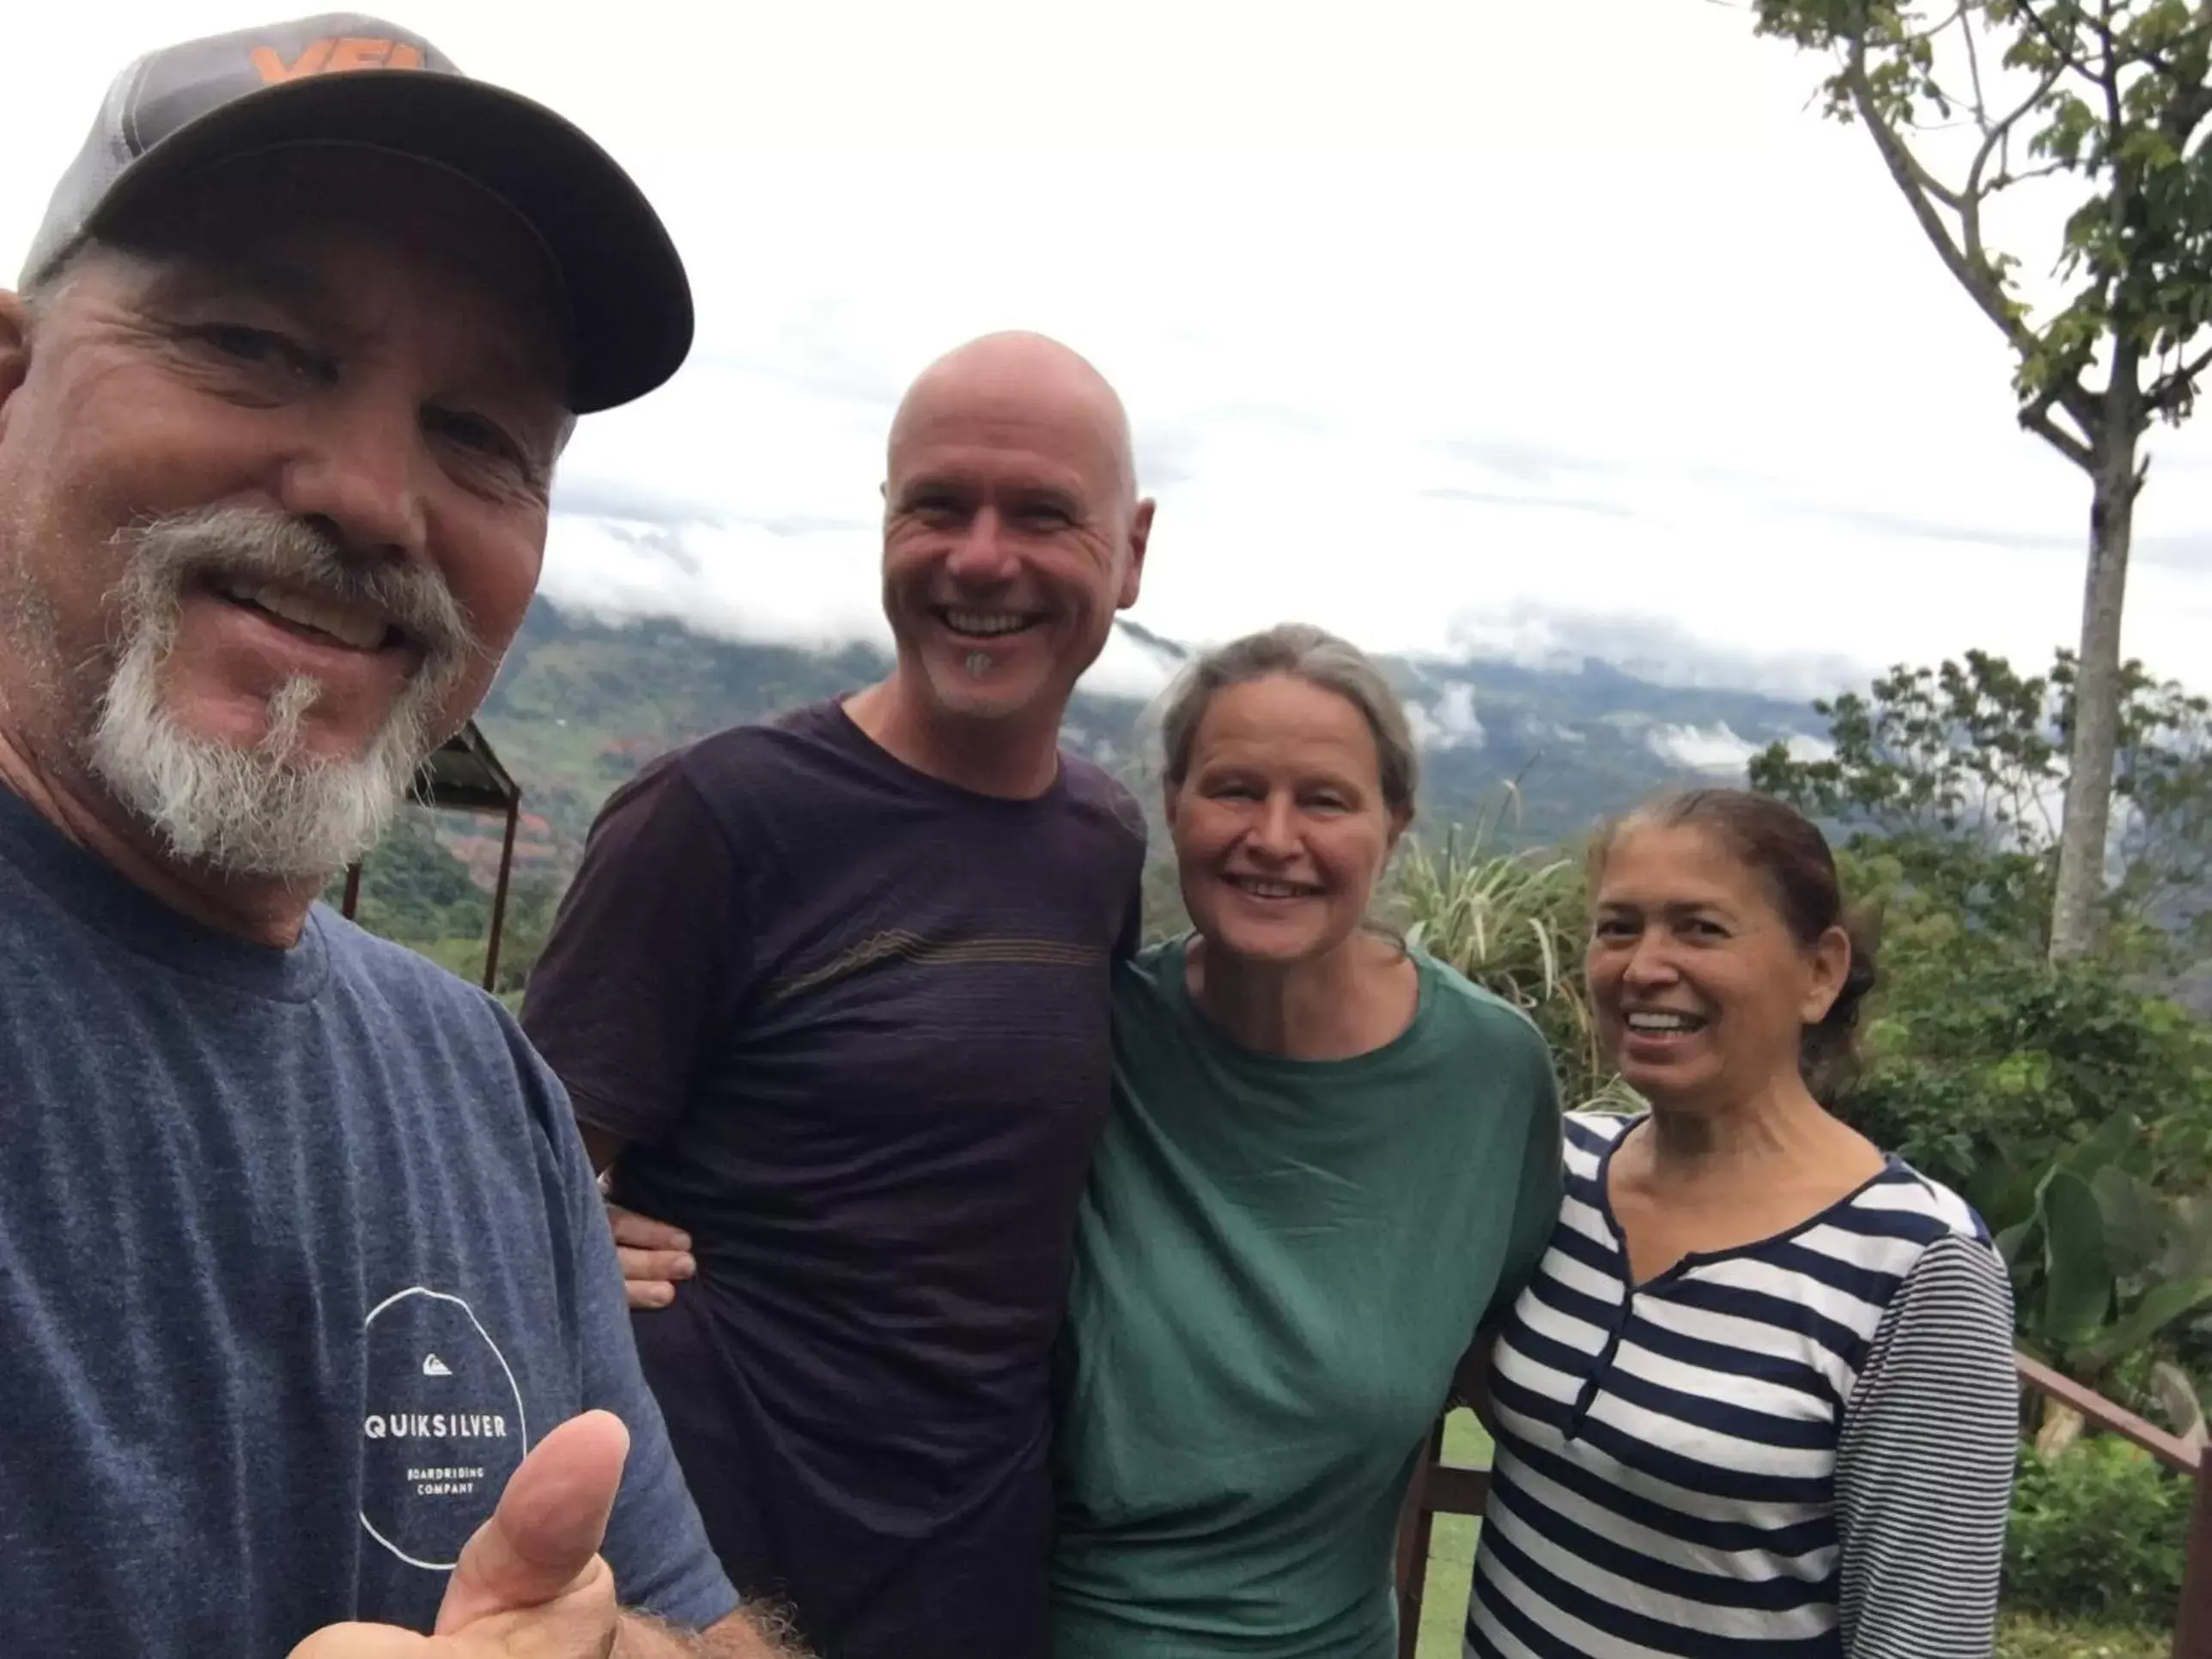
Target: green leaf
[
  {"x": 2112, "y": 1141},
  {"x": 2161, "y": 1306},
  {"x": 2138, "y": 1219},
  {"x": 2078, "y": 1284},
  {"x": 2002, "y": 1195}
]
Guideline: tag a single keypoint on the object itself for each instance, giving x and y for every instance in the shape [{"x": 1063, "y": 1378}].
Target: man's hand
[
  {"x": 529, "y": 1584},
  {"x": 655, "y": 1257},
  {"x": 1471, "y": 1381}
]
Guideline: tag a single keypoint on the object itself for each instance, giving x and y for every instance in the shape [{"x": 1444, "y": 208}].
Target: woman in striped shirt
[{"x": 1758, "y": 1400}]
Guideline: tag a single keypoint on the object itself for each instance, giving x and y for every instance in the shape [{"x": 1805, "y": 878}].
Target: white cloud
[
  {"x": 1413, "y": 350},
  {"x": 1718, "y": 749},
  {"x": 723, "y": 581},
  {"x": 1127, "y": 669},
  {"x": 1704, "y": 749},
  {"x": 1449, "y": 722}
]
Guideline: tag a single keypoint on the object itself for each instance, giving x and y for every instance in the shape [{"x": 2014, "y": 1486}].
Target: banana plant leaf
[{"x": 2077, "y": 1292}]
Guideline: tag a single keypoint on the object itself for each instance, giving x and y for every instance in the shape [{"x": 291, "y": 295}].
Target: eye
[
  {"x": 251, "y": 345},
  {"x": 472, "y": 431},
  {"x": 1045, "y": 515},
  {"x": 935, "y": 504},
  {"x": 1615, "y": 927},
  {"x": 262, "y": 347},
  {"x": 1326, "y": 801}
]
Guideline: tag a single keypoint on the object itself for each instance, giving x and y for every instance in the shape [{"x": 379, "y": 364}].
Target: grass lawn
[
  {"x": 1451, "y": 1552},
  {"x": 2024, "y": 1637},
  {"x": 1451, "y": 1547}
]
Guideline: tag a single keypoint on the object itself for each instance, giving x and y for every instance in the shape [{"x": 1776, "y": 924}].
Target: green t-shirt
[{"x": 1277, "y": 1265}]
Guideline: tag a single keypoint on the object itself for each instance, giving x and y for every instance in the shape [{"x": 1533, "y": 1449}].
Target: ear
[
  {"x": 1141, "y": 536},
  {"x": 15, "y": 349},
  {"x": 1400, "y": 822},
  {"x": 1831, "y": 962}
]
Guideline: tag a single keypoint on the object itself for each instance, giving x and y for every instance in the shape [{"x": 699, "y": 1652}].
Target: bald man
[{"x": 830, "y": 995}]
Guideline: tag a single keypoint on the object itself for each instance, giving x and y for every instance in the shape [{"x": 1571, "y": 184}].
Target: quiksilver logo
[
  {"x": 434, "y": 1426},
  {"x": 434, "y": 1366}
]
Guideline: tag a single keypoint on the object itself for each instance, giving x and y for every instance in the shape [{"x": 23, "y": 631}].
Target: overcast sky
[{"x": 1520, "y": 328}]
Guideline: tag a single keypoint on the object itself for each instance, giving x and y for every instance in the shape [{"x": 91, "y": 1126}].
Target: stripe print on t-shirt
[{"x": 1668, "y": 1479}]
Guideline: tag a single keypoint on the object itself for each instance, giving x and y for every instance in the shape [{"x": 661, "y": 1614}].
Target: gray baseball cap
[{"x": 346, "y": 79}]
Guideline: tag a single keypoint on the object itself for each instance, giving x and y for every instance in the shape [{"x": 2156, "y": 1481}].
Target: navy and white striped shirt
[{"x": 1800, "y": 1449}]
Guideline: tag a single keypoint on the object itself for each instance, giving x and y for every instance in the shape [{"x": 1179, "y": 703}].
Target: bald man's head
[
  {"x": 1012, "y": 531},
  {"x": 1027, "y": 376}
]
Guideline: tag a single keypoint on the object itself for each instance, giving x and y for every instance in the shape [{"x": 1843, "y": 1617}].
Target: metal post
[
  {"x": 499, "y": 896},
  {"x": 352, "y": 891},
  {"x": 1416, "y": 1526},
  {"x": 2192, "y": 1634}
]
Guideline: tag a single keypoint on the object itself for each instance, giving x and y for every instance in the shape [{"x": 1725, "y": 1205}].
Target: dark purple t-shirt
[{"x": 854, "y": 1023}]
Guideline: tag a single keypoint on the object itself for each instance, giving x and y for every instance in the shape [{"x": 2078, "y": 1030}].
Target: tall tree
[
  {"x": 2111, "y": 96},
  {"x": 1948, "y": 775}
]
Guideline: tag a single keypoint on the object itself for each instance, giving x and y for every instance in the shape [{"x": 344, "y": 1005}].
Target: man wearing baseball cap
[{"x": 311, "y": 1332}]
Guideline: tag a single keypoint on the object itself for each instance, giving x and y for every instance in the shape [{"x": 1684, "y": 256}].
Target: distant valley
[{"x": 582, "y": 704}]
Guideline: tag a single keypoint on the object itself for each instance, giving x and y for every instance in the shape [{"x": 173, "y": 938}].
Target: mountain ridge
[{"x": 580, "y": 704}]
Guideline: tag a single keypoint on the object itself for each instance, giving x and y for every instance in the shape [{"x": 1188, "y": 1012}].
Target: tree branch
[
  {"x": 1913, "y": 176},
  {"x": 1935, "y": 29},
  {"x": 2183, "y": 79},
  {"x": 1971, "y": 198},
  {"x": 2174, "y": 390},
  {"x": 1973, "y": 66},
  {"x": 1950, "y": 102},
  {"x": 2115, "y": 115},
  {"x": 2007, "y": 180},
  {"x": 1921, "y": 192},
  {"x": 2037, "y": 418},
  {"x": 2064, "y": 49}
]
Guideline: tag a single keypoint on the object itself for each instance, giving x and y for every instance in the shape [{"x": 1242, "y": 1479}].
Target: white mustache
[
  {"x": 269, "y": 809},
  {"x": 241, "y": 543}
]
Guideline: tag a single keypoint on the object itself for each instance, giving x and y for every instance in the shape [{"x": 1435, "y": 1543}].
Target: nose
[
  {"x": 1273, "y": 832},
  {"x": 357, "y": 468},
  {"x": 983, "y": 553},
  {"x": 1649, "y": 963}
]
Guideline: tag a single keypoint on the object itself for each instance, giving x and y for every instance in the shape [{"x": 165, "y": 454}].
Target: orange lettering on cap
[
  {"x": 355, "y": 53},
  {"x": 328, "y": 57},
  {"x": 274, "y": 69}
]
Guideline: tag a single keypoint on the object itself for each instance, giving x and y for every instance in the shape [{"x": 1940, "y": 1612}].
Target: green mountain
[{"x": 582, "y": 704}]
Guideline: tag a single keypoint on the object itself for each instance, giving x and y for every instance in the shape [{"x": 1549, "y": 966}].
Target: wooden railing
[{"x": 1441, "y": 1488}]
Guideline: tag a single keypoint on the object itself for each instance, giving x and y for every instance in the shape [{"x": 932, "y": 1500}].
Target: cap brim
[{"x": 628, "y": 298}]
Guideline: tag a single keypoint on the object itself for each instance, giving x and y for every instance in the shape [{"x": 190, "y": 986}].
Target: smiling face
[
  {"x": 1280, "y": 823},
  {"x": 1011, "y": 532},
  {"x": 1702, "y": 991},
  {"x": 273, "y": 495}
]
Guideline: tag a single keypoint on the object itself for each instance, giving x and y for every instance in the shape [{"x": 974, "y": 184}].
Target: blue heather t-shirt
[{"x": 300, "y": 1253}]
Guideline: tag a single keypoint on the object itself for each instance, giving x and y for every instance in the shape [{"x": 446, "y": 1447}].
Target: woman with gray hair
[{"x": 1330, "y": 1161}]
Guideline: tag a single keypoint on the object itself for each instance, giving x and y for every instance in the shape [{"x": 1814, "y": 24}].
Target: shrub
[
  {"x": 1977, "y": 1052},
  {"x": 1514, "y": 923},
  {"x": 2096, "y": 1531}
]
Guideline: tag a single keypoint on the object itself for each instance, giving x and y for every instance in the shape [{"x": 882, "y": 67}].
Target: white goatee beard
[{"x": 270, "y": 810}]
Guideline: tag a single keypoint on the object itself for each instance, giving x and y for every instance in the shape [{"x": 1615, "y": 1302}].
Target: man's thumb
[{"x": 547, "y": 1529}]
